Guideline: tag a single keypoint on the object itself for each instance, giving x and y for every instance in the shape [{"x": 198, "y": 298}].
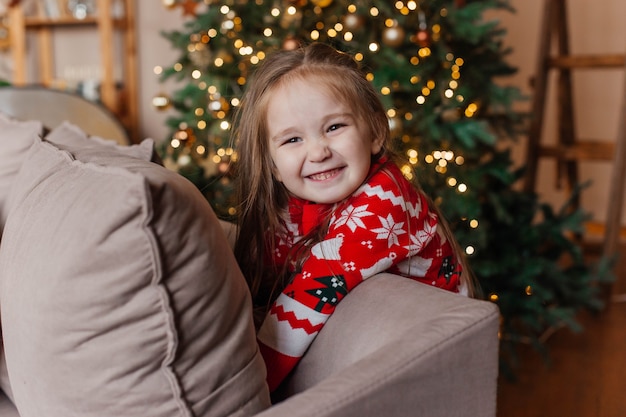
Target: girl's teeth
[{"x": 323, "y": 175}]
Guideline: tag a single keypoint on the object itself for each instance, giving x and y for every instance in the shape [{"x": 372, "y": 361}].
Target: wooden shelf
[
  {"x": 35, "y": 21},
  {"x": 582, "y": 150},
  {"x": 31, "y": 22},
  {"x": 588, "y": 61},
  {"x": 122, "y": 102}
]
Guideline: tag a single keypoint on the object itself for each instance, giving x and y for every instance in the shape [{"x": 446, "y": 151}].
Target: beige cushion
[
  {"x": 119, "y": 295},
  {"x": 70, "y": 136},
  {"x": 20, "y": 136},
  {"x": 15, "y": 139}
]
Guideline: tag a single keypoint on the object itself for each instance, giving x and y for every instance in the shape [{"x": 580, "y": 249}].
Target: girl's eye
[
  {"x": 335, "y": 126},
  {"x": 292, "y": 140}
]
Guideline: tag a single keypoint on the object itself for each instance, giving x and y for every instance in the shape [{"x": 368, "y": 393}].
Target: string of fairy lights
[{"x": 283, "y": 14}]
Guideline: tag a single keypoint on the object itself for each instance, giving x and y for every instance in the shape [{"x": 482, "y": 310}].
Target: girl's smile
[
  {"x": 323, "y": 176},
  {"x": 321, "y": 151}
]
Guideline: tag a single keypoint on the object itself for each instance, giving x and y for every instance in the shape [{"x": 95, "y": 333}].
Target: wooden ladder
[{"x": 568, "y": 150}]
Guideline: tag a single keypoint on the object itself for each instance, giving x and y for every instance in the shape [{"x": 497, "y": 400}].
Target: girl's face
[{"x": 320, "y": 150}]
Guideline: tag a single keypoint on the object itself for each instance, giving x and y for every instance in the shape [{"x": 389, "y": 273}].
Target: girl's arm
[{"x": 377, "y": 230}]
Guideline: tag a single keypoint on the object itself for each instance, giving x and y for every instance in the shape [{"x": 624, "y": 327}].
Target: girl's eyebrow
[
  {"x": 285, "y": 132},
  {"x": 333, "y": 115}
]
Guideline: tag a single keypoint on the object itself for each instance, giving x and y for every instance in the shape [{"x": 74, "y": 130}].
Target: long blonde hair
[{"x": 262, "y": 199}]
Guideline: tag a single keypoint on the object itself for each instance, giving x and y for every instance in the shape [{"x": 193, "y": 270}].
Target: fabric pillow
[
  {"x": 71, "y": 137},
  {"x": 23, "y": 135},
  {"x": 15, "y": 139},
  {"x": 119, "y": 294}
]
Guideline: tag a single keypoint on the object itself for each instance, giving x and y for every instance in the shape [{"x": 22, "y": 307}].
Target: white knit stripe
[
  {"x": 281, "y": 336},
  {"x": 383, "y": 195},
  {"x": 301, "y": 311}
]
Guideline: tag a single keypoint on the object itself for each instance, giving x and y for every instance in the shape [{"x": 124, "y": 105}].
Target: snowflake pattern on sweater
[{"x": 386, "y": 225}]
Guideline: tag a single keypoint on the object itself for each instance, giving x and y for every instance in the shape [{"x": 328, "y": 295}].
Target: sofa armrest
[{"x": 395, "y": 347}]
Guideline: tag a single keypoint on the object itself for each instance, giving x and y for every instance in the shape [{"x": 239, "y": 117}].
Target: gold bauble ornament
[
  {"x": 322, "y": 3},
  {"x": 393, "y": 36},
  {"x": 290, "y": 43},
  {"x": 217, "y": 104},
  {"x": 423, "y": 38},
  {"x": 161, "y": 101},
  {"x": 185, "y": 136},
  {"x": 223, "y": 167},
  {"x": 169, "y": 4},
  {"x": 353, "y": 21},
  {"x": 189, "y": 7}
]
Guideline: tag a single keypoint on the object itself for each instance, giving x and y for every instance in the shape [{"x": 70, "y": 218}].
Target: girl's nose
[{"x": 318, "y": 150}]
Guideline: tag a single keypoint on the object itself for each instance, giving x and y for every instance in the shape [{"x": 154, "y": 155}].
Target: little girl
[{"x": 322, "y": 205}]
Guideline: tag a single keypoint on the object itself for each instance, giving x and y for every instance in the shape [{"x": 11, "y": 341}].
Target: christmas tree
[{"x": 438, "y": 65}]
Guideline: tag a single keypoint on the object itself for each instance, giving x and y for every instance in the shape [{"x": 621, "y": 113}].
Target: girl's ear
[{"x": 377, "y": 144}]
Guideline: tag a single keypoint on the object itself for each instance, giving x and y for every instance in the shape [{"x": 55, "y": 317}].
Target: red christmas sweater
[{"x": 386, "y": 225}]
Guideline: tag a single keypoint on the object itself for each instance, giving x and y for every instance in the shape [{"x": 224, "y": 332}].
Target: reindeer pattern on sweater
[{"x": 386, "y": 225}]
